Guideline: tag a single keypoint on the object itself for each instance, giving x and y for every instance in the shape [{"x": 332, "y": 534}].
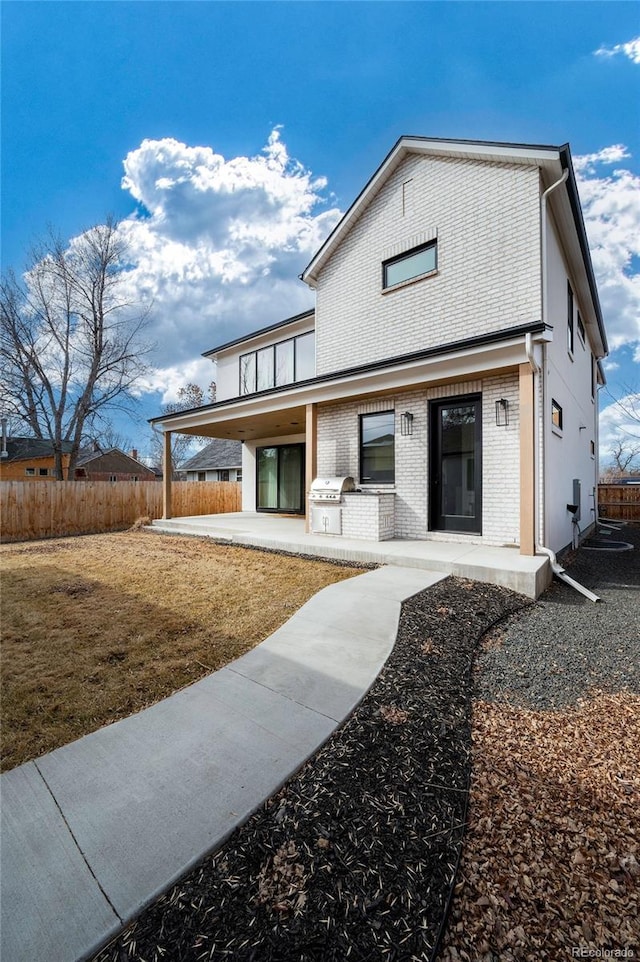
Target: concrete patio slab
[
  {"x": 97, "y": 829},
  {"x": 497, "y": 565},
  {"x": 52, "y": 906}
]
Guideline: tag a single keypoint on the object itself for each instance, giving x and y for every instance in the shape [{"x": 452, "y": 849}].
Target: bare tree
[
  {"x": 189, "y": 396},
  {"x": 629, "y": 404},
  {"x": 71, "y": 344},
  {"x": 625, "y": 458}
]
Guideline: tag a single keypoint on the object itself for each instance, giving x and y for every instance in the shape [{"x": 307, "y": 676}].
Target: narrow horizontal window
[
  {"x": 415, "y": 263},
  {"x": 30, "y": 472},
  {"x": 556, "y": 415}
]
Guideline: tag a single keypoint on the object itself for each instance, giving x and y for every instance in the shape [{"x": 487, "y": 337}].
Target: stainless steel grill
[{"x": 330, "y": 489}]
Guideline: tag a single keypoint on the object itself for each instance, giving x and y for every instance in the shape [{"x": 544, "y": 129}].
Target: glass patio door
[
  {"x": 280, "y": 478},
  {"x": 456, "y": 465}
]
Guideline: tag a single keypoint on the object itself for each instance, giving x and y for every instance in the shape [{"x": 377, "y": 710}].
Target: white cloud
[
  {"x": 631, "y": 49},
  {"x": 617, "y": 423},
  {"x": 611, "y": 206},
  {"x": 219, "y": 244},
  {"x": 167, "y": 381}
]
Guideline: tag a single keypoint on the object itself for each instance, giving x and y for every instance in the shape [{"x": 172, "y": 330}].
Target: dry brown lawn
[{"x": 95, "y": 628}]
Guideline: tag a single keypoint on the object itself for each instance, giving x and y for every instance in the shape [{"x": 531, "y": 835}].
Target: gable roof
[
  {"x": 552, "y": 161},
  {"x": 112, "y": 460},
  {"x": 28, "y": 449},
  {"x": 220, "y": 453}
]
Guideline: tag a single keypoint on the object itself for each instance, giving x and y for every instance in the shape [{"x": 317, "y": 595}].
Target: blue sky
[{"x": 297, "y": 103}]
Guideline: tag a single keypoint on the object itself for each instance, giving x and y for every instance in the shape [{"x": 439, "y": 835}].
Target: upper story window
[
  {"x": 569, "y": 318},
  {"x": 580, "y": 324},
  {"x": 411, "y": 265},
  {"x": 556, "y": 415},
  {"x": 278, "y": 364},
  {"x": 377, "y": 448},
  {"x": 30, "y": 472}
]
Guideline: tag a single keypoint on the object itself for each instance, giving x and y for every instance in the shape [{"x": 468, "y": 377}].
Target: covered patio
[{"x": 527, "y": 574}]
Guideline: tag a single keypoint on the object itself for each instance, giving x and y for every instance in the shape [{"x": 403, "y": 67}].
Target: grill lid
[{"x": 330, "y": 489}]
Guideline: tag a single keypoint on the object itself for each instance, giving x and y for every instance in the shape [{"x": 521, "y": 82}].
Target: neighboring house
[
  {"x": 112, "y": 465},
  {"x": 219, "y": 461},
  {"x": 32, "y": 459},
  {"x": 451, "y": 365}
]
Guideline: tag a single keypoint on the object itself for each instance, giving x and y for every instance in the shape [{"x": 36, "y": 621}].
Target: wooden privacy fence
[
  {"x": 620, "y": 502},
  {"x": 30, "y": 510}
]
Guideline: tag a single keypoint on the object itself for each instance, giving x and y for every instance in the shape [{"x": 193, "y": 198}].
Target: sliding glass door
[{"x": 280, "y": 478}]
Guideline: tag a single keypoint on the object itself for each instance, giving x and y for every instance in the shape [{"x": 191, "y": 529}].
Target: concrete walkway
[
  {"x": 94, "y": 831},
  {"x": 497, "y": 565}
]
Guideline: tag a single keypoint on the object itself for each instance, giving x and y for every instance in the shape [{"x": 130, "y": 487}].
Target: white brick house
[{"x": 450, "y": 365}]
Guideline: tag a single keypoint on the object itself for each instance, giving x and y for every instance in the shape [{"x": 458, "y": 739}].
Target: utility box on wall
[{"x": 577, "y": 494}]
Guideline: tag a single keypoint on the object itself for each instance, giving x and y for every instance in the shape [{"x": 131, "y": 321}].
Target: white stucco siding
[
  {"x": 338, "y": 454},
  {"x": 567, "y": 380},
  {"x": 486, "y": 220}
]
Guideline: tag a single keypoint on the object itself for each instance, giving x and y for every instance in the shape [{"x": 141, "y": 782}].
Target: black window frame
[
  {"x": 397, "y": 258},
  {"x": 570, "y": 323},
  {"x": 557, "y": 407},
  {"x": 593, "y": 378},
  {"x": 272, "y": 348},
  {"x": 361, "y": 458},
  {"x": 581, "y": 331}
]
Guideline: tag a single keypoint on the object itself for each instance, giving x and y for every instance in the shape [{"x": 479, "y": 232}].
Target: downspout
[{"x": 557, "y": 569}]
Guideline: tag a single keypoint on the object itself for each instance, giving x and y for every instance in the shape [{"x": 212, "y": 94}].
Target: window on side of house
[
  {"x": 223, "y": 475},
  {"x": 377, "y": 448},
  {"x": 592, "y": 448},
  {"x": 265, "y": 366},
  {"x": 239, "y": 474},
  {"x": 202, "y": 475},
  {"x": 556, "y": 415},
  {"x": 569, "y": 319},
  {"x": 248, "y": 373},
  {"x": 43, "y": 472},
  {"x": 305, "y": 358},
  {"x": 581, "y": 332},
  {"x": 593, "y": 377},
  {"x": 30, "y": 472},
  {"x": 411, "y": 265},
  {"x": 113, "y": 477}
]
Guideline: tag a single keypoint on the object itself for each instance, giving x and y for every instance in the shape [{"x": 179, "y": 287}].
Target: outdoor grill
[
  {"x": 330, "y": 489},
  {"x": 325, "y": 497}
]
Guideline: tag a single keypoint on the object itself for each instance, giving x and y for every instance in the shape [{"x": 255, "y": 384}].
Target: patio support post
[
  {"x": 311, "y": 458},
  {"x": 527, "y": 462},
  {"x": 167, "y": 475}
]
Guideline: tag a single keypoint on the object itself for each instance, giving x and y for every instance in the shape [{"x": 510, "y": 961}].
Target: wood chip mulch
[
  {"x": 551, "y": 860},
  {"x": 355, "y": 858}
]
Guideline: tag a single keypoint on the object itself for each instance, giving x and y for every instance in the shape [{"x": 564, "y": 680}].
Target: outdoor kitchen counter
[{"x": 369, "y": 515}]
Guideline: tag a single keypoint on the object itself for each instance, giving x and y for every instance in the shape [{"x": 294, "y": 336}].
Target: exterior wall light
[
  {"x": 502, "y": 412},
  {"x": 406, "y": 423}
]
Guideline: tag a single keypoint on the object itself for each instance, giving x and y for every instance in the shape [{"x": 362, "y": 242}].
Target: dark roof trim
[
  {"x": 578, "y": 219},
  {"x": 263, "y": 330},
  {"x": 536, "y": 327}
]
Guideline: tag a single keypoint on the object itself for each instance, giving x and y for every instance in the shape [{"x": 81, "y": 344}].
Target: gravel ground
[
  {"x": 552, "y": 654},
  {"x": 357, "y": 856}
]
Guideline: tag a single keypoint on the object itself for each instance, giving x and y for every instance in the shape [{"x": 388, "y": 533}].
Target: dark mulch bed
[{"x": 355, "y": 857}]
